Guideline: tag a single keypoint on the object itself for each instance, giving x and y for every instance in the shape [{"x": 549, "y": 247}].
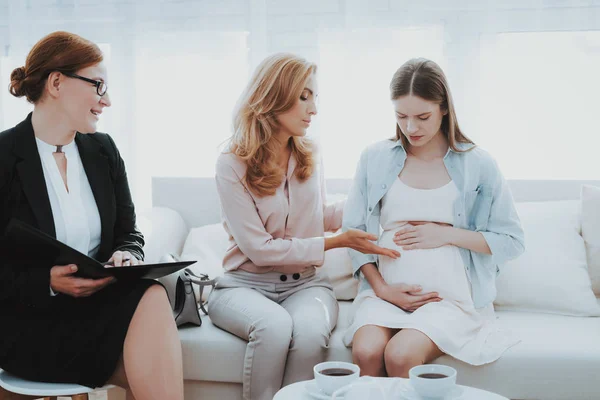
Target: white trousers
[{"x": 287, "y": 325}]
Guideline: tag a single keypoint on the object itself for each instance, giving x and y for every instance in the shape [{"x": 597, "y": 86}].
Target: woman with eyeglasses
[{"x": 61, "y": 177}]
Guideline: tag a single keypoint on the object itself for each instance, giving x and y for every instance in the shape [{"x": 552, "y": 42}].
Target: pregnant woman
[{"x": 444, "y": 204}]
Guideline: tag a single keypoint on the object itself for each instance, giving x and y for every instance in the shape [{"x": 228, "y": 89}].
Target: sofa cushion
[
  {"x": 552, "y": 275},
  {"x": 337, "y": 265},
  {"x": 556, "y": 359},
  {"x": 211, "y": 354},
  {"x": 206, "y": 244},
  {"x": 164, "y": 232},
  {"x": 590, "y": 230}
]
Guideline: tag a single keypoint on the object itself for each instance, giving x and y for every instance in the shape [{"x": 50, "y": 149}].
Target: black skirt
[{"x": 76, "y": 340}]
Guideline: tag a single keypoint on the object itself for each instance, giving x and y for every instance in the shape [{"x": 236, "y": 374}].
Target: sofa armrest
[{"x": 164, "y": 231}]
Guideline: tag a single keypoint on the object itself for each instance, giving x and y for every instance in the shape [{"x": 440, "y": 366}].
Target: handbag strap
[{"x": 201, "y": 280}]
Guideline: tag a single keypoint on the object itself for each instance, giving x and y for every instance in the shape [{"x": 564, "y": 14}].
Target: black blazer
[{"x": 23, "y": 195}]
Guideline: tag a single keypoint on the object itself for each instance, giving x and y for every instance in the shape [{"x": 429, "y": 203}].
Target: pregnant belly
[{"x": 436, "y": 270}]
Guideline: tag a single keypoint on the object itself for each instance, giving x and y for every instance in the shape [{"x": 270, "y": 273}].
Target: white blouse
[{"x": 75, "y": 213}]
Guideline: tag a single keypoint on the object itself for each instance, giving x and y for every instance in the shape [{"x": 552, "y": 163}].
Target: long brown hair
[
  {"x": 274, "y": 88},
  {"x": 425, "y": 79},
  {"x": 59, "y": 51}
]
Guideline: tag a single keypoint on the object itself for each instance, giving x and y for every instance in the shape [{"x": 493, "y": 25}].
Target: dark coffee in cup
[
  {"x": 432, "y": 376},
  {"x": 336, "y": 372}
]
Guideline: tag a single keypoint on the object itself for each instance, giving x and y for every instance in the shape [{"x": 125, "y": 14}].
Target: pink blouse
[{"x": 283, "y": 232}]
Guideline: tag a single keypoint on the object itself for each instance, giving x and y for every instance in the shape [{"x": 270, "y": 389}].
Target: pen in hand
[
  {"x": 111, "y": 263},
  {"x": 122, "y": 259}
]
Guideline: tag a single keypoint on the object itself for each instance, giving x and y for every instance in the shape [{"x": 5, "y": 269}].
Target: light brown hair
[
  {"x": 275, "y": 87},
  {"x": 425, "y": 79},
  {"x": 59, "y": 51}
]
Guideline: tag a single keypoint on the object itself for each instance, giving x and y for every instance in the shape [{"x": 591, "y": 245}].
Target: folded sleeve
[
  {"x": 503, "y": 233},
  {"x": 355, "y": 213}
]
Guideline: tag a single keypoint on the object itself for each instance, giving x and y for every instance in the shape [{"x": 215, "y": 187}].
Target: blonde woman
[{"x": 272, "y": 196}]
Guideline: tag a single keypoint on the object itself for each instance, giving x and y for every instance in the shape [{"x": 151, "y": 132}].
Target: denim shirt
[{"x": 484, "y": 205}]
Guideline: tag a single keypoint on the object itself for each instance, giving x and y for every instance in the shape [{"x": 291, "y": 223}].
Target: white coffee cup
[
  {"x": 423, "y": 380},
  {"x": 330, "y": 383}
]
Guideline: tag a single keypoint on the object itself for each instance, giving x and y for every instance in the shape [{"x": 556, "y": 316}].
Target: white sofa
[{"x": 557, "y": 359}]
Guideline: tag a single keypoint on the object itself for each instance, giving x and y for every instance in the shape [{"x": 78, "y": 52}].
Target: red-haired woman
[{"x": 60, "y": 176}]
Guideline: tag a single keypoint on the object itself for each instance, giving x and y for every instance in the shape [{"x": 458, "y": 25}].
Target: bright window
[
  {"x": 185, "y": 92},
  {"x": 539, "y": 103},
  {"x": 354, "y": 73}
]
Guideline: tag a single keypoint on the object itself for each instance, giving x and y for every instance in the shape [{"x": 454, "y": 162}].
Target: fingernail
[{"x": 73, "y": 268}]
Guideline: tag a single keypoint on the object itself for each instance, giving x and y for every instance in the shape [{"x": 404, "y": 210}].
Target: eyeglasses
[{"x": 101, "y": 87}]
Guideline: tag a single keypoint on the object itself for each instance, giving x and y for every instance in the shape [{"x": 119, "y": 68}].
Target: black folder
[{"x": 30, "y": 246}]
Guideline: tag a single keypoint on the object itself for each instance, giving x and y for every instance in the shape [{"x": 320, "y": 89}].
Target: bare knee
[
  {"x": 367, "y": 353},
  {"x": 399, "y": 360},
  {"x": 368, "y": 349},
  {"x": 368, "y": 356}
]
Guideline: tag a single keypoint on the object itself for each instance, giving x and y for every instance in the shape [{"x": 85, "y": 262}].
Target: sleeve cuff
[
  {"x": 359, "y": 259},
  {"x": 316, "y": 250}
]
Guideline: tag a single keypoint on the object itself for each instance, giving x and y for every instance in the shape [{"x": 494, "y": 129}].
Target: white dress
[{"x": 453, "y": 324}]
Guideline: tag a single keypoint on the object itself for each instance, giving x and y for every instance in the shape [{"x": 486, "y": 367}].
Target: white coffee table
[{"x": 296, "y": 391}]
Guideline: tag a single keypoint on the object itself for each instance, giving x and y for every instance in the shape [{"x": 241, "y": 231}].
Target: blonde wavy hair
[{"x": 275, "y": 87}]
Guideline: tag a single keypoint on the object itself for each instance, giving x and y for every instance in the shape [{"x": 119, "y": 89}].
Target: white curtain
[{"x": 523, "y": 74}]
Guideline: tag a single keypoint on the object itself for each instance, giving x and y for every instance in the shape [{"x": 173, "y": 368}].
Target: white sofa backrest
[{"x": 197, "y": 201}]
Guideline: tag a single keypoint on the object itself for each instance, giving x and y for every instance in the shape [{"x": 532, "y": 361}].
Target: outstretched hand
[{"x": 363, "y": 242}]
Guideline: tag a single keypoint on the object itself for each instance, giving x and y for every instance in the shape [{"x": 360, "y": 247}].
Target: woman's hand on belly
[
  {"x": 422, "y": 235},
  {"x": 407, "y": 297}
]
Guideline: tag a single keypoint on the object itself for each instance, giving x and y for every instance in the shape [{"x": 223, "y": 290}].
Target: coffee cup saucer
[
  {"x": 408, "y": 392},
  {"x": 314, "y": 392}
]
